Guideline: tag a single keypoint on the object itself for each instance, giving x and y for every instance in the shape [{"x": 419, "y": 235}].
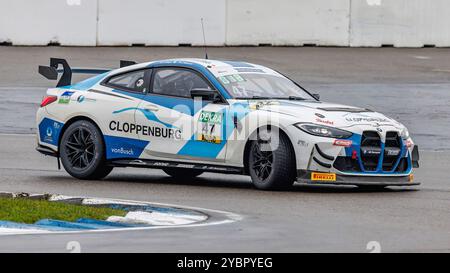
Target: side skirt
[{"x": 157, "y": 164}]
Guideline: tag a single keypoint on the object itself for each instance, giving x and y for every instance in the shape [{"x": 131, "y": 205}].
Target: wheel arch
[
  {"x": 75, "y": 119},
  {"x": 252, "y": 137}
]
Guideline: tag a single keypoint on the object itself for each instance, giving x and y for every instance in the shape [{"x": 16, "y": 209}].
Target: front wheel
[
  {"x": 82, "y": 151},
  {"x": 271, "y": 162}
]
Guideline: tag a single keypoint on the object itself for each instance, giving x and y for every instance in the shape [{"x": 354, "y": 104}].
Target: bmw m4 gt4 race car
[{"x": 189, "y": 116}]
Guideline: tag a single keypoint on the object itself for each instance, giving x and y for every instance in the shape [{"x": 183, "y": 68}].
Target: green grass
[{"x": 29, "y": 211}]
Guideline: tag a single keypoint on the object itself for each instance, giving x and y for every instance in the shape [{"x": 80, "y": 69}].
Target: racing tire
[
  {"x": 272, "y": 168},
  {"x": 188, "y": 174},
  {"x": 82, "y": 151}
]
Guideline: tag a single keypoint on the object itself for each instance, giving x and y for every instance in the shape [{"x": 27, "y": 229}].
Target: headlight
[
  {"x": 323, "y": 131},
  {"x": 405, "y": 133}
]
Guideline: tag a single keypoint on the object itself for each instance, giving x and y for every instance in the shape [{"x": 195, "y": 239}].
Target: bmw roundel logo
[
  {"x": 49, "y": 131},
  {"x": 80, "y": 98}
]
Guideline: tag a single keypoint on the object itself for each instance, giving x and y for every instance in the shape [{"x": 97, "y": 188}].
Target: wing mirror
[
  {"x": 206, "y": 95},
  {"x": 316, "y": 96}
]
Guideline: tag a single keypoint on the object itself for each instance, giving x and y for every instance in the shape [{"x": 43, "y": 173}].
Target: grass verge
[{"x": 29, "y": 211}]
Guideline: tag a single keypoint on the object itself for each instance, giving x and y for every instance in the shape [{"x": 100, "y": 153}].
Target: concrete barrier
[
  {"x": 31, "y": 22},
  {"x": 401, "y": 23},
  {"x": 160, "y": 22},
  {"x": 287, "y": 22}
]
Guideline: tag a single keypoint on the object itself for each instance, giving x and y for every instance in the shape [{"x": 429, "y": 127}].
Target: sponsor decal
[
  {"x": 303, "y": 143},
  {"x": 49, "y": 132},
  {"x": 371, "y": 152},
  {"x": 324, "y": 121},
  {"x": 224, "y": 80},
  {"x": 260, "y": 104},
  {"x": 390, "y": 152},
  {"x": 210, "y": 124},
  {"x": 65, "y": 97},
  {"x": 82, "y": 98},
  {"x": 319, "y": 115},
  {"x": 211, "y": 117},
  {"x": 144, "y": 130},
  {"x": 366, "y": 120},
  {"x": 343, "y": 142},
  {"x": 323, "y": 176},
  {"x": 122, "y": 151}
]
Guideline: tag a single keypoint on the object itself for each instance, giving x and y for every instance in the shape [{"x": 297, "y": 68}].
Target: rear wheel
[
  {"x": 271, "y": 162},
  {"x": 183, "y": 173},
  {"x": 82, "y": 151}
]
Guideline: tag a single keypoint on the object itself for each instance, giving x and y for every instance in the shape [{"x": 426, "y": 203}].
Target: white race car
[{"x": 189, "y": 116}]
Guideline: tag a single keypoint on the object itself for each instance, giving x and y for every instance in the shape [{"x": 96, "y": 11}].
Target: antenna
[{"x": 204, "y": 39}]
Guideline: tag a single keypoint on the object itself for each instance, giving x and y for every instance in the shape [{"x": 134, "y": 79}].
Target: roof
[{"x": 219, "y": 67}]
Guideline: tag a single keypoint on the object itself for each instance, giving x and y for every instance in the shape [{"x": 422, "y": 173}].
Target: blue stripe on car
[
  {"x": 123, "y": 147},
  {"x": 86, "y": 84}
]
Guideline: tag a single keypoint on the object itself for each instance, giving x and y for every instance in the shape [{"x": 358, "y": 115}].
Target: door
[
  {"x": 117, "y": 110},
  {"x": 177, "y": 127}
]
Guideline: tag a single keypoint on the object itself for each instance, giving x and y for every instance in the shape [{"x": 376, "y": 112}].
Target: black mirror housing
[
  {"x": 206, "y": 94},
  {"x": 316, "y": 96}
]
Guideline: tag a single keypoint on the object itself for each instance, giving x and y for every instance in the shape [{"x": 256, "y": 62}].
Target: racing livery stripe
[
  {"x": 148, "y": 114},
  {"x": 237, "y": 64},
  {"x": 86, "y": 84},
  {"x": 108, "y": 94}
]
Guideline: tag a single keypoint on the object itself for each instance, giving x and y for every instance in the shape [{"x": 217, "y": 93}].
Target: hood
[{"x": 329, "y": 114}]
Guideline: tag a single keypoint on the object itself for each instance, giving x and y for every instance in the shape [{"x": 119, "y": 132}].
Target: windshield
[{"x": 260, "y": 86}]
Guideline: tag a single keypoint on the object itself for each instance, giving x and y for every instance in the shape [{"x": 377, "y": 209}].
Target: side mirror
[
  {"x": 206, "y": 94},
  {"x": 316, "y": 96}
]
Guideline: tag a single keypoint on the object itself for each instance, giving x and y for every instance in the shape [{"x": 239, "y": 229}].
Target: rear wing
[{"x": 51, "y": 72}]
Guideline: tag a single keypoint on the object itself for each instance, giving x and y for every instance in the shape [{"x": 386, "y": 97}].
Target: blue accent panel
[
  {"x": 148, "y": 114},
  {"x": 237, "y": 64},
  {"x": 49, "y": 131},
  {"x": 123, "y": 147},
  {"x": 199, "y": 68},
  {"x": 86, "y": 84},
  {"x": 105, "y": 224},
  {"x": 211, "y": 150}
]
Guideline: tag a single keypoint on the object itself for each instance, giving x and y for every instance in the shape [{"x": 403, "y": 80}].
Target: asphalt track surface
[{"x": 412, "y": 85}]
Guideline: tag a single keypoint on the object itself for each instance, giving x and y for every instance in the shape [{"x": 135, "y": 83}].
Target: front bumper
[{"x": 305, "y": 177}]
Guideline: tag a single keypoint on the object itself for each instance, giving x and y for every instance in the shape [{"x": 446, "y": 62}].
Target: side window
[
  {"x": 177, "y": 82},
  {"x": 133, "y": 81}
]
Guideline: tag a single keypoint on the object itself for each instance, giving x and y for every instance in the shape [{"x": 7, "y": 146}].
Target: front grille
[
  {"x": 374, "y": 156},
  {"x": 392, "y": 151},
  {"x": 370, "y": 150}
]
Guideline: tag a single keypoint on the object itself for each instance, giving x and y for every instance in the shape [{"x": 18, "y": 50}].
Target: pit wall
[{"x": 356, "y": 23}]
